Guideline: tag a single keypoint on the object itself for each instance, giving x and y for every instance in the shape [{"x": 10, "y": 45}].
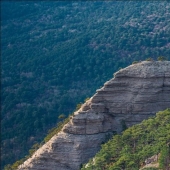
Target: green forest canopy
[
  {"x": 129, "y": 150},
  {"x": 55, "y": 54}
]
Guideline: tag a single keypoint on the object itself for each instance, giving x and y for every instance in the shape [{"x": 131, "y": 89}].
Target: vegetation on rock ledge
[{"x": 139, "y": 142}]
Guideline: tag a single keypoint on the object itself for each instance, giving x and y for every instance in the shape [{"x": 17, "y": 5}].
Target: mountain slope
[
  {"x": 55, "y": 54},
  {"x": 135, "y": 93},
  {"x": 130, "y": 150}
]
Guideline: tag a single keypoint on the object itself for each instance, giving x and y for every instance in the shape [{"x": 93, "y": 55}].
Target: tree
[
  {"x": 164, "y": 160},
  {"x": 62, "y": 116},
  {"x": 162, "y": 58}
]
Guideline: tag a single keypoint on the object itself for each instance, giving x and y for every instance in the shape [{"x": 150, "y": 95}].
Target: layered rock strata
[{"x": 134, "y": 94}]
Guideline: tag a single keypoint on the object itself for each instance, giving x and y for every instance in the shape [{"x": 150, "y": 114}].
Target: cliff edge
[{"x": 134, "y": 94}]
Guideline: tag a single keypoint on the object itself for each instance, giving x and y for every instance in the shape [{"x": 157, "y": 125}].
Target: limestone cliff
[{"x": 135, "y": 93}]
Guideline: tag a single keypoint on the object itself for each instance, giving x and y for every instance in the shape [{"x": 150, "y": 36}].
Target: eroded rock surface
[{"x": 134, "y": 94}]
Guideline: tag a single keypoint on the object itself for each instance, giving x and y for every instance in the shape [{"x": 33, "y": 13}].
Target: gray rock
[{"x": 134, "y": 94}]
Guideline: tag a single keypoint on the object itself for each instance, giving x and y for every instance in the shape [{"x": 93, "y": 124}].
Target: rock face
[{"x": 134, "y": 94}]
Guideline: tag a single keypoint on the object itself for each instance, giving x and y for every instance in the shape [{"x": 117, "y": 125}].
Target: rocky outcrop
[
  {"x": 134, "y": 94},
  {"x": 151, "y": 162}
]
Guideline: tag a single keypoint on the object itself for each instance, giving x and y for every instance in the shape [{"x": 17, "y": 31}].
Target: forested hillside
[
  {"x": 56, "y": 54},
  {"x": 138, "y": 143}
]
